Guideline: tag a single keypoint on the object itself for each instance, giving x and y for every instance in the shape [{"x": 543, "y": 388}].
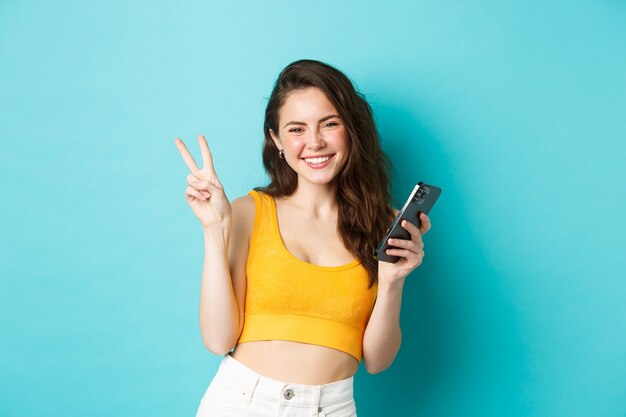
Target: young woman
[{"x": 289, "y": 277}]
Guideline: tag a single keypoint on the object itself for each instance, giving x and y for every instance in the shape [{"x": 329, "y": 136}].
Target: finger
[
  {"x": 189, "y": 161},
  {"x": 413, "y": 259},
  {"x": 405, "y": 253},
  {"x": 190, "y": 191},
  {"x": 193, "y": 180},
  {"x": 207, "y": 159},
  {"x": 200, "y": 185},
  {"x": 413, "y": 230},
  {"x": 405, "y": 243},
  {"x": 425, "y": 227},
  {"x": 193, "y": 183}
]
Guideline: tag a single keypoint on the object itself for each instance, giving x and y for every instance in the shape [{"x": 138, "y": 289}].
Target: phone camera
[{"x": 420, "y": 195}]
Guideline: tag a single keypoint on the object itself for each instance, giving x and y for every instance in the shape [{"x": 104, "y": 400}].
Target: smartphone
[{"x": 421, "y": 199}]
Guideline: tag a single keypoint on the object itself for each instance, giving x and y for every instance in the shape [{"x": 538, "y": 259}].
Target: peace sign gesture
[{"x": 205, "y": 194}]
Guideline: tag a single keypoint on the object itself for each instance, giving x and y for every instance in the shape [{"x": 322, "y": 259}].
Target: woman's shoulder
[
  {"x": 243, "y": 211},
  {"x": 243, "y": 204}
]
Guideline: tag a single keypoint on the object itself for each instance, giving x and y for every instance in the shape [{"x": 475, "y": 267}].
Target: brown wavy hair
[{"x": 364, "y": 193}]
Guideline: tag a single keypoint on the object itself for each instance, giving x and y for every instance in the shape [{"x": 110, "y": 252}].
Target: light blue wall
[{"x": 516, "y": 109}]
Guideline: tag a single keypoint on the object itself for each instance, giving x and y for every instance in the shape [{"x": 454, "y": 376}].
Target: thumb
[{"x": 207, "y": 186}]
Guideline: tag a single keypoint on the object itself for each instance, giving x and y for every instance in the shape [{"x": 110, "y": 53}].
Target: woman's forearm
[
  {"x": 383, "y": 336},
  {"x": 218, "y": 312}
]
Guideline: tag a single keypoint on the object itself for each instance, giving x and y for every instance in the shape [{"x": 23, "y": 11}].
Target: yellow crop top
[{"x": 289, "y": 299}]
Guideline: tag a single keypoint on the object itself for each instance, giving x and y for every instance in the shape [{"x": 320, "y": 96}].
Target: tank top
[{"x": 290, "y": 299}]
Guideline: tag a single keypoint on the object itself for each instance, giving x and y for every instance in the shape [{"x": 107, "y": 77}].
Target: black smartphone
[{"x": 421, "y": 199}]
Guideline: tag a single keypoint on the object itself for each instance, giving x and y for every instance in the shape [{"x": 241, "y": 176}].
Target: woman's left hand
[{"x": 411, "y": 252}]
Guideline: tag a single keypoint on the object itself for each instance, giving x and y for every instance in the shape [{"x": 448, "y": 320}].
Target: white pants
[{"x": 237, "y": 390}]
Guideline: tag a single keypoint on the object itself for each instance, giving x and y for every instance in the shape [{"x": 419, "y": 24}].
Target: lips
[
  {"x": 319, "y": 166},
  {"x": 319, "y": 156}
]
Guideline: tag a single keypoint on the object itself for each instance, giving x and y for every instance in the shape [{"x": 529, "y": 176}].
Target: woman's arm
[
  {"x": 383, "y": 336},
  {"x": 226, "y": 228},
  {"x": 222, "y": 294}
]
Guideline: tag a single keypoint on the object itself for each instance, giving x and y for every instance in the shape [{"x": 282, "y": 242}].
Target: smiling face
[{"x": 312, "y": 135}]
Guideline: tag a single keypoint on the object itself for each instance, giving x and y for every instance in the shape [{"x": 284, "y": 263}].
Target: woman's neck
[{"x": 316, "y": 201}]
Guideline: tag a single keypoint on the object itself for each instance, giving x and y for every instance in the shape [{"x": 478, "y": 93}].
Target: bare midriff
[{"x": 295, "y": 362}]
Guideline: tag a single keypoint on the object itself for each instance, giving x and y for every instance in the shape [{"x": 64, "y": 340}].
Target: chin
[{"x": 316, "y": 180}]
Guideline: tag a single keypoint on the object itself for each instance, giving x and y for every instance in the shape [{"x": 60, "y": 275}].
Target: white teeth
[{"x": 317, "y": 161}]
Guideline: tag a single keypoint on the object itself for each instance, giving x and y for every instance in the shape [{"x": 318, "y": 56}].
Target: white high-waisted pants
[{"x": 237, "y": 390}]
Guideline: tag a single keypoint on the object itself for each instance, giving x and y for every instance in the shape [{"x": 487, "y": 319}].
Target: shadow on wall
[{"x": 450, "y": 330}]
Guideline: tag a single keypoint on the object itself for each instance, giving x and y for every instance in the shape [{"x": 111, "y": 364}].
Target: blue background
[{"x": 516, "y": 109}]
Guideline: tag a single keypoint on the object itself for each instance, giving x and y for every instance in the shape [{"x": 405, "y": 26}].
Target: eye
[
  {"x": 295, "y": 130},
  {"x": 332, "y": 124}
]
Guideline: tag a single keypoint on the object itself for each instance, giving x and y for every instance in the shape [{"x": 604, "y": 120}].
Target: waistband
[{"x": 255, "y": 384}]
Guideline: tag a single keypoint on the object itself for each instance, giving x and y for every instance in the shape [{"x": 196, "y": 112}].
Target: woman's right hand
[{"x": 205, "y": 194}]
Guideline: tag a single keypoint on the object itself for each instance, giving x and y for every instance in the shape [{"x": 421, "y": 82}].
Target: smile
[{"x": 319, "y": 162}]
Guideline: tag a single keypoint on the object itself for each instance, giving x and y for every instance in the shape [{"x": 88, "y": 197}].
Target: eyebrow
[{"x": 323, "y": 119}]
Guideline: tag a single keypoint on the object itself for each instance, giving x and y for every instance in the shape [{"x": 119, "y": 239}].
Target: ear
[{"x": 276, "y": 139}]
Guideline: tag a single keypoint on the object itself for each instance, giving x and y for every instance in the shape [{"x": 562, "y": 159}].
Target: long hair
[{"x": 364, "y": 194}]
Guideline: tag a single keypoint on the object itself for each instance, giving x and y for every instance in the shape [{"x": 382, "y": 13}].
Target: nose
[{"x": 316, "y": 140}]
